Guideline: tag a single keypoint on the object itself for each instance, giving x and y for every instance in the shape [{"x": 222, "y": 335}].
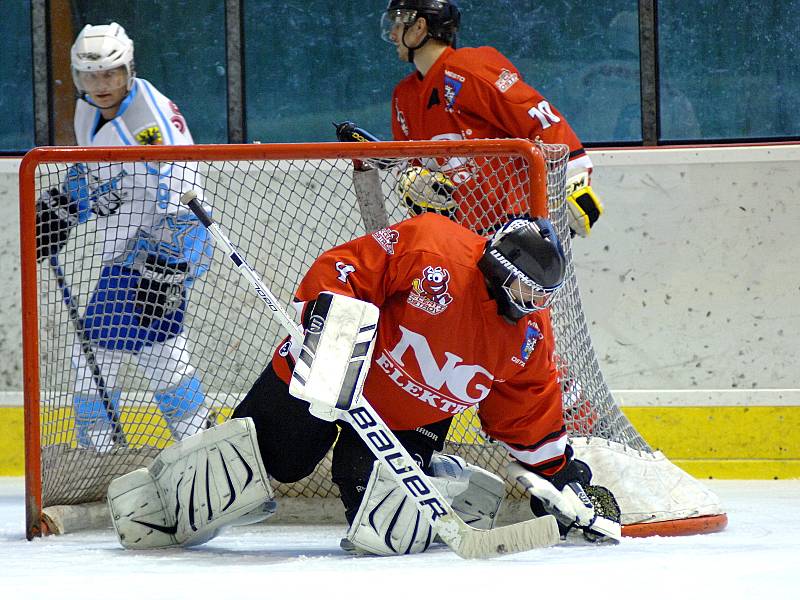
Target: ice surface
[{"x": 757, "y": 556}]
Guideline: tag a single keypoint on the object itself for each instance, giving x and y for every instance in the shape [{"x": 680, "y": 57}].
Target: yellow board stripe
[{"x": 720, "y": 442}]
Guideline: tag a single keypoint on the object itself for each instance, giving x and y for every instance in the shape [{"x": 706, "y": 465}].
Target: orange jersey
[
  {"x": 441, "y": 347},
  {"x": 476, "y": 93}
]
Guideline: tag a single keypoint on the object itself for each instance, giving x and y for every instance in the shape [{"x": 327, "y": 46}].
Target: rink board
[{"x": 720, "y": 442}]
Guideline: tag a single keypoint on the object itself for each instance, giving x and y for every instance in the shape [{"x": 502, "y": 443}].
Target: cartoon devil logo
[{"x": 433, "y": 284}]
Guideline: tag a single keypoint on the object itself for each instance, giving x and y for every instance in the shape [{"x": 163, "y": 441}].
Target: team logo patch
[
  {"x": 150, "y": 136},
  {"x": 284, "y": 349},
  {"x": 344, "y": 270},
  {"x": 456, "y": 76},
  {"x": 532, "y": 335},
  {"x": 506, "y": 80},
  {"x": 387, "y": 238},
  {"x": 451, "y": 90},
  {"x": 448, "y": 383},
  {"x": 177, "y": 118},
  {"x": 429, "y": 292}
]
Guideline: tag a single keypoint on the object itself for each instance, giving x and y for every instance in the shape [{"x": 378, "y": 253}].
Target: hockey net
[{"x": 282, "y": 205}]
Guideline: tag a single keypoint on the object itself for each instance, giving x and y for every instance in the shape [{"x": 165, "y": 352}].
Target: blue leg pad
[
  {"x": 89, "y": 409},
  {"x": 183, "y": 399}
]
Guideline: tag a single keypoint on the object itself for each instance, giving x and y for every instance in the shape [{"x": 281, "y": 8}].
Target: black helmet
[
  {"x": 442, "y": 17},
  {"x": 524, "y": 266}
]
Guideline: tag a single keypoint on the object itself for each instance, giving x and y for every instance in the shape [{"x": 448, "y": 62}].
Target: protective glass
[
  {"x": 395, "y": 19},
  {"x": 95, "y": 82}
]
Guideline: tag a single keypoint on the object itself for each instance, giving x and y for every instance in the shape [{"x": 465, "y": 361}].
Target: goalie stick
[
  {"x": 118, "y": 435},
  {"x": 464, "y": 540}
]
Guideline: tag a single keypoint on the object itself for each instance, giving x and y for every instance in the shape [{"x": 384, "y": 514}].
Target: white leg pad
[
  {"x": 387, "y": 522},
  {"x": 195, "y": 487}
]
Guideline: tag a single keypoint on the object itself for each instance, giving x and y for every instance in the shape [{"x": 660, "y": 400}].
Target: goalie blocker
[{"x": 335, "y": 357}]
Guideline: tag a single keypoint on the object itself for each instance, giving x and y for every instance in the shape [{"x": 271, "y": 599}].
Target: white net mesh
[{"x": 281, "y": 214}]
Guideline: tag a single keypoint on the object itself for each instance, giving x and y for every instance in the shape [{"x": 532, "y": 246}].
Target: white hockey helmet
[{"x": 101, "y": 48}]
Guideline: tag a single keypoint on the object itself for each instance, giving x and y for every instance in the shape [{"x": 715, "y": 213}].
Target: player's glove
[
  {"x": 583, "y": 204},
  {"x": 56, "y": 216},
  {"x": 570, "y": 498},
  {"x": 162, "y": 288},
  {"x": 421, "y": 190},
  {"x": 347, "y": 131}
]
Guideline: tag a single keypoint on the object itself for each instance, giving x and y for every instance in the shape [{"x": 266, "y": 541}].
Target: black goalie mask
[{"x": 524, "y": 266}]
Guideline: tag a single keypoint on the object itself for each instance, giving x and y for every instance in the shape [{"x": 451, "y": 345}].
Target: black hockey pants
[{"x": 293, "y": 441}]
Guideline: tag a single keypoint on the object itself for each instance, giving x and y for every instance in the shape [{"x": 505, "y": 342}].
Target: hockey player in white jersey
[{"x": 153, "y": 249}]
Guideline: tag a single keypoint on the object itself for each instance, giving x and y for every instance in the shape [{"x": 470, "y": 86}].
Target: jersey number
[{"x": 544, "y": 113}]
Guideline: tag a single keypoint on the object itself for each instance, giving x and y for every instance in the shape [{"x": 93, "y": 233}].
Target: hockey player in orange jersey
[
  {"x": 463, "y": 323},
  {"x": 473, "y": 93}
]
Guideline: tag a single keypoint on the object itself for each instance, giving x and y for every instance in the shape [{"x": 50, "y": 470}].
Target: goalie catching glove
[
  {"x": 421, "y": 191},
  {"x": 584, "y": 207},
  {"x": 570, "y": 498}
]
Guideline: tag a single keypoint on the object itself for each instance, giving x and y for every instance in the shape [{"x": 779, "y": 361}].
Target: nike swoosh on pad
[{"x": 168, "y": 529}]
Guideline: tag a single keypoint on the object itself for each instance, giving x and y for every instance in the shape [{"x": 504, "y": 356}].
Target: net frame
[{"x": 545, "y": 173}]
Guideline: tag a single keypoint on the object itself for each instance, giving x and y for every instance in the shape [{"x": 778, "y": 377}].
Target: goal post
[{"x": 284, "y": 204}]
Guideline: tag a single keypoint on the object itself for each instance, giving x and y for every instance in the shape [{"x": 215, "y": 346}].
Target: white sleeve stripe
[
  {"x": 298, "y": 306},
  {"x": 548, "y": 451}
]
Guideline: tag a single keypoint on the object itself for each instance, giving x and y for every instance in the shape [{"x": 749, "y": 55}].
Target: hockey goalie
[{"x": 422, "y": 320}]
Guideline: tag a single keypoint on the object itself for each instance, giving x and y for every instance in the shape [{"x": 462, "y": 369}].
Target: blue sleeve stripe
[{"x": 164, "y": 123}]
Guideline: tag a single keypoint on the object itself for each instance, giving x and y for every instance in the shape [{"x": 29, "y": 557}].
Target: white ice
[{"x": 757, "y": 556}]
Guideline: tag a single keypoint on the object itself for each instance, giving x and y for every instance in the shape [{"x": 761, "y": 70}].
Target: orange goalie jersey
[
  {"x": 441, "y": 346},
  {"x": 476, "y": 93}
]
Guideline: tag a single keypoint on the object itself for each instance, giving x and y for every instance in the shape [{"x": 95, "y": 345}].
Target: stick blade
[{"x": 510, "y": 539}]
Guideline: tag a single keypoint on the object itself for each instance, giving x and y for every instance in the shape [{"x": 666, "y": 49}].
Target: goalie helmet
[
  {"x": 442, "y": 16},
  {"x": 101, "y": 48},
  {"x": 524, "y": 266},
  {"x": 421, "y": 190}
]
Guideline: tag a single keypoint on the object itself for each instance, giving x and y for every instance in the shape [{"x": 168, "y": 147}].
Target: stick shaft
[{"x": 118, "y": 434}]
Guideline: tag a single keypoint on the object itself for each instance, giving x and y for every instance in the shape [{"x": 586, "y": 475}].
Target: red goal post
[{"x": 309, "y": 197}]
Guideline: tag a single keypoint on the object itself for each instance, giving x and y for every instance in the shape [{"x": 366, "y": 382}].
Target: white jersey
[{"x": 133, "y": 198}]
